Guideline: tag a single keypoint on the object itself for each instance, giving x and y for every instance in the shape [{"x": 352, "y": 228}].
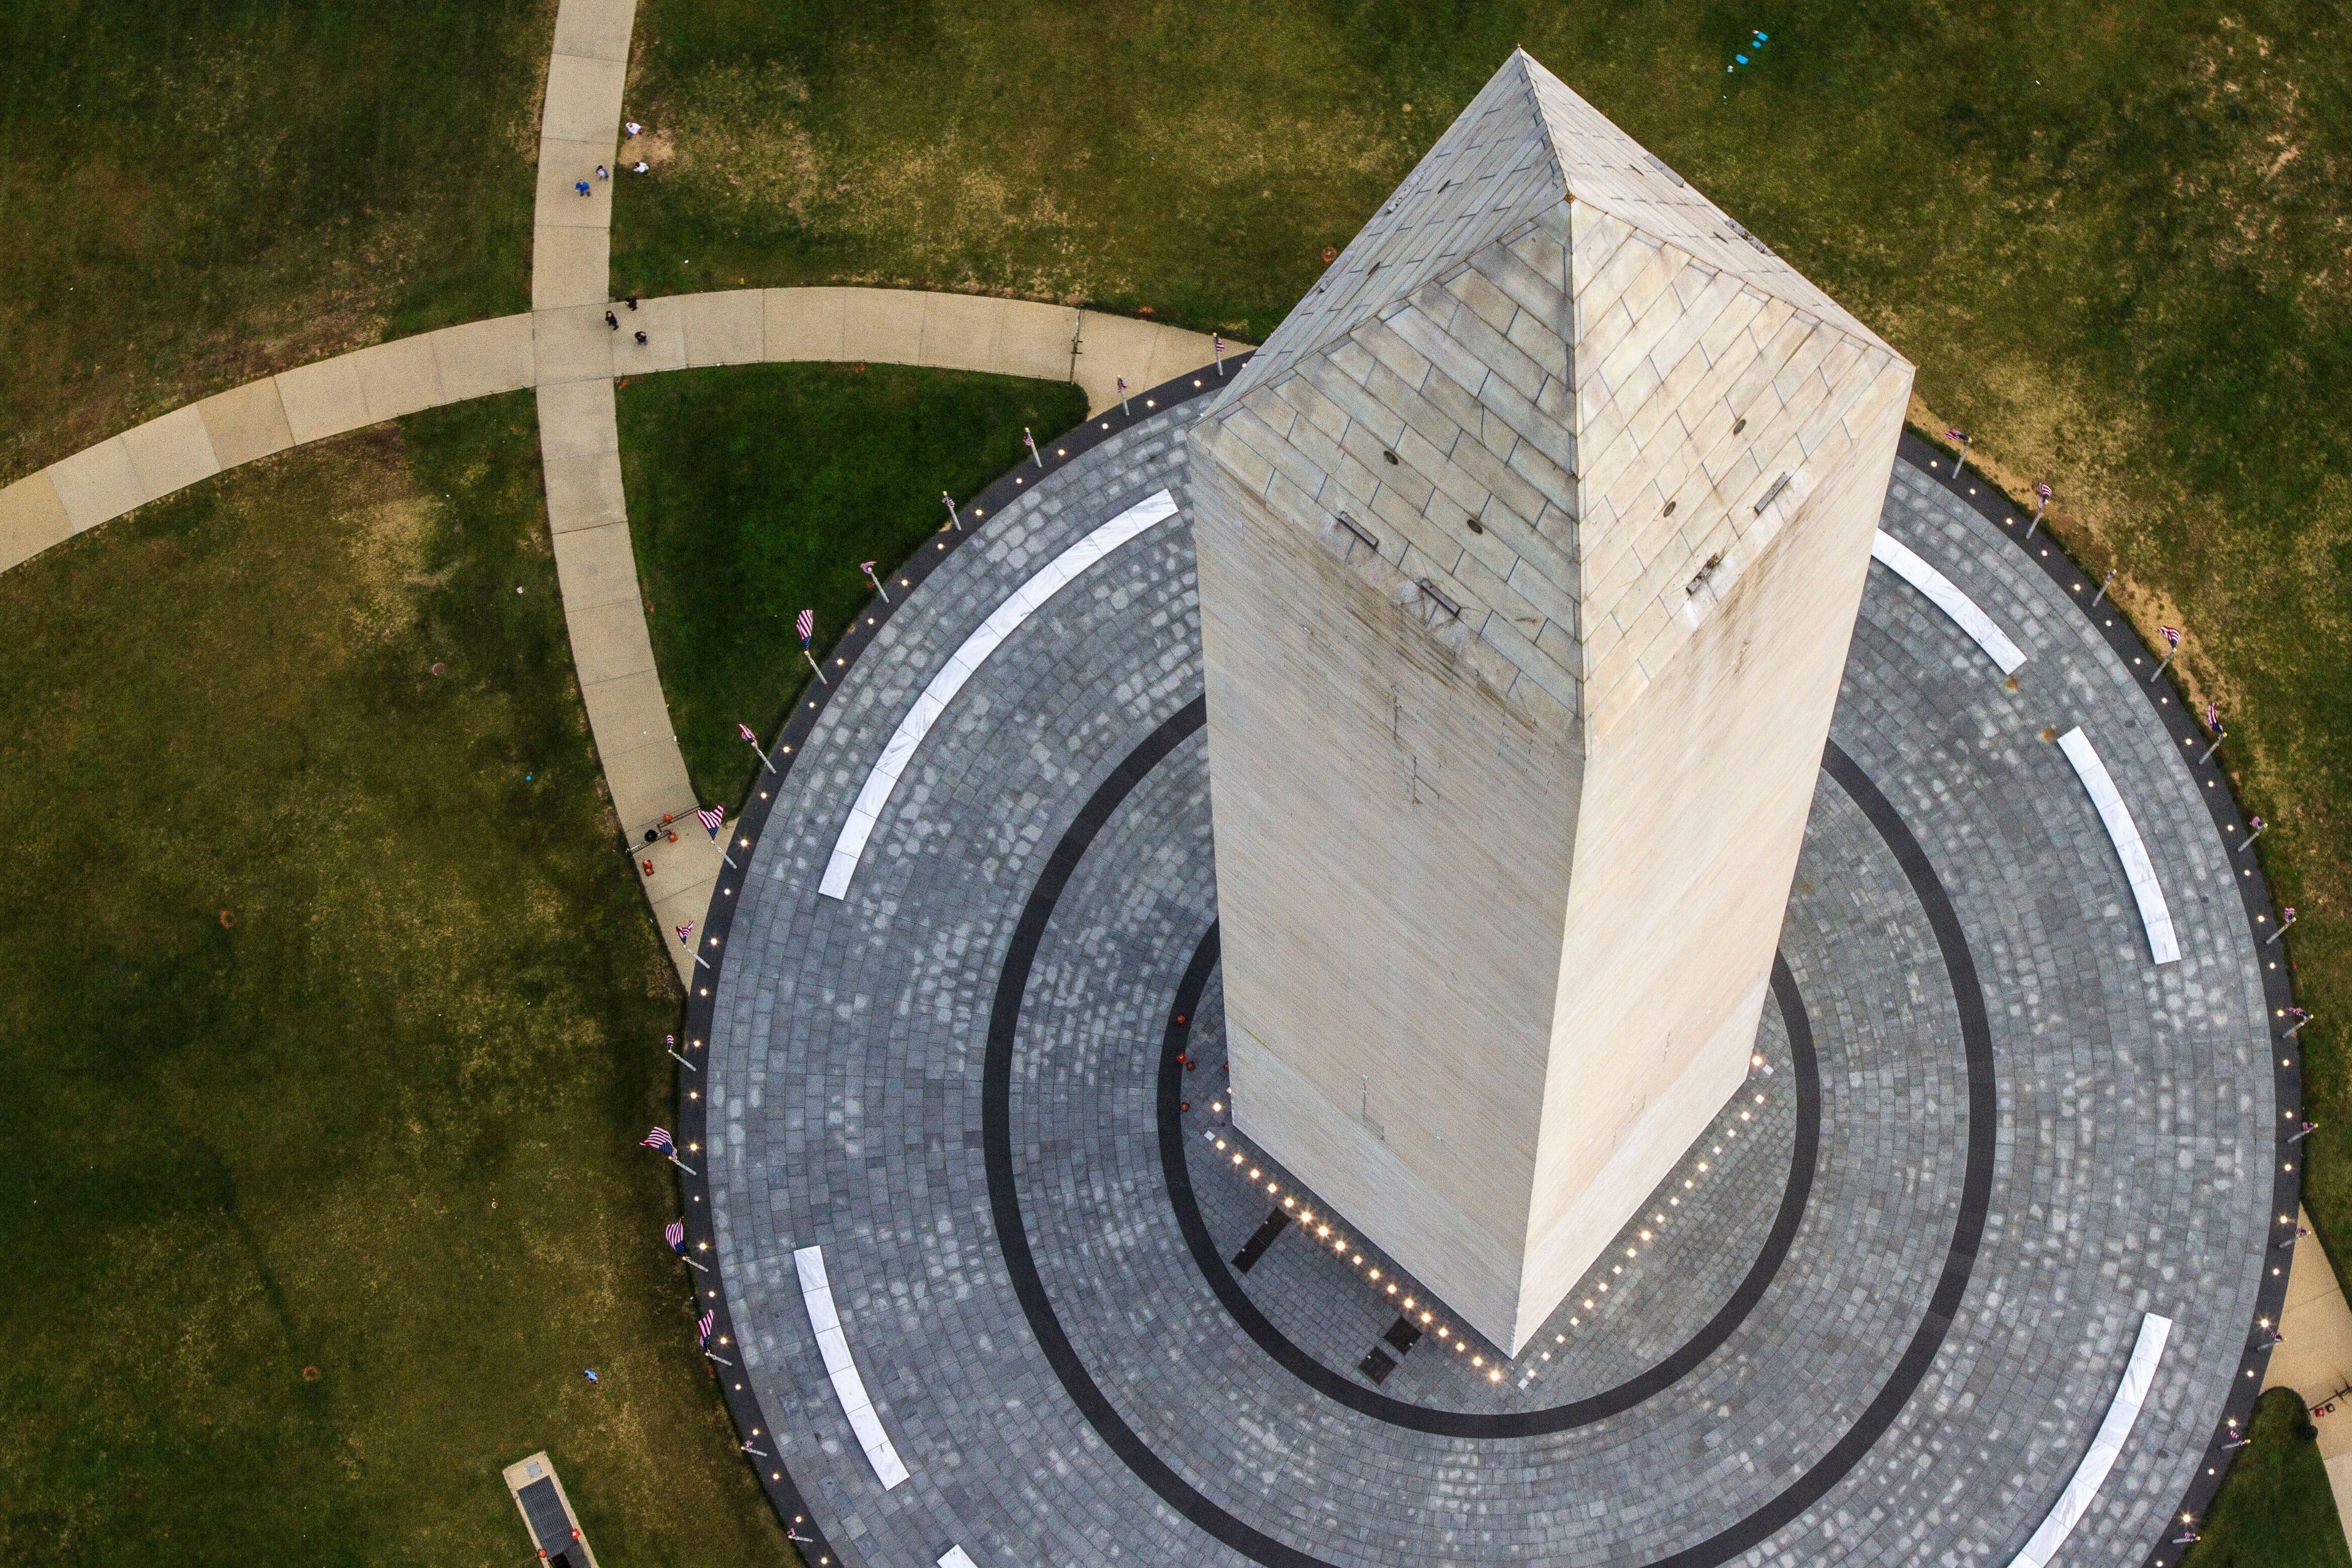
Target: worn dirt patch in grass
[{"x": 382, "y": 1123}]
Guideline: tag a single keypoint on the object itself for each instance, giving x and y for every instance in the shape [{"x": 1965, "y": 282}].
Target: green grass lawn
[
  {"x": 755, "y": 491},
  {"x": 316, "y": 956},
  {"x": 332, "y": 1020},
  {"x": 2274, "y": 1509},
  {"x": 2112, "y": 236},
  {"x": 199, "y": 192}
]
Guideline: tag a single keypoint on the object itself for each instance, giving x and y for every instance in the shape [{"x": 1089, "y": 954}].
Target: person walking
[
  {"x": 630, "y": 128},
  {"x": 641, "y": 167},
  {"x": 612, "y": 321},
  {"x": 582, "y": 187},
  {"x": 641, "y": 339},
  {"x": 602, "y": 173}
]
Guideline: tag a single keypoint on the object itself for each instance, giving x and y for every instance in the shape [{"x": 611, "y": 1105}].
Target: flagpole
[
  {"x": 953, "y": 516},
  {"x": 2299, "y": 1023},
  {"x": 2280, "y": 933},
  {"x": 2103, "y": 587},
  {"x": 821, "y": 681},
  {"x": 761, "y": 754},
  {"x": 2169, "y": 656},
  {"x": 2261, "y": 828},
  {"x": 868, "y": 568},
  {"x": 682, "y": 1061},
  {"x": 2209, "y": 751},
  {"x": 683, "y": 1165},
  {"x": 690, "y": 1263},
  {"x": 722, "y": 1361}
]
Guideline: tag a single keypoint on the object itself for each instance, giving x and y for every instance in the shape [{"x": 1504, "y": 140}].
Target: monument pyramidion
[{"x": 1530, "y": 545}]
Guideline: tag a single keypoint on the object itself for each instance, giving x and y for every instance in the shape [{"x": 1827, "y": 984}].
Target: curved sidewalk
[
  {"x": 565, "y": 350},
  {"x": 572, "y": 358},
  {"x": 509, "y": 354}
]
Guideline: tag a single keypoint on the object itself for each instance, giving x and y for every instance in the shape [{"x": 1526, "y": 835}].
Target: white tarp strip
[
  {"x": 961, "y": 666},
  {"x": 2138, "y": 869},
  {"x": 957, "y": 1557},
  {"x": 1905, "y": 564},
  {"x": 2075, "y": 1501},
  {"x": 816, "y": 1291}
]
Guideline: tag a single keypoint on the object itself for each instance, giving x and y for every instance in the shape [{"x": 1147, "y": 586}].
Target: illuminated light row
[
  {"x": 1656, "y": 1218},
  {"x": 1342, "y": 1248}
]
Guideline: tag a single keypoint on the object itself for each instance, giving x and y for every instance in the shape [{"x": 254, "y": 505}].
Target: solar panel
[{"x": 549, "y": 1520}]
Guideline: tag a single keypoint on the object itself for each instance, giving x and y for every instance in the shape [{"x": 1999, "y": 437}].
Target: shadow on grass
[
  {"x": 754, "y": 492},
  {"x": 331, "y": 1024},
  {"x": 2274, "y": 1509}
]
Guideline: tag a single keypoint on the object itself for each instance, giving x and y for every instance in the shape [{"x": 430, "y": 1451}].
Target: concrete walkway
[
  {"x": 309, "y": 403},
  {"x": 581, "y": 354},
  {"x": 580, "y": 447},
  {"x": 567, "y": 353},
  {"x": 565, "y": 350},
  {"x": 481, "y": 359},
  {"x": 2315, "y": 1360}
]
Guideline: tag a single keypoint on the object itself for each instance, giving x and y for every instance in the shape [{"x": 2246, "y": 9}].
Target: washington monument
[{"x": 1530, "y": 545}]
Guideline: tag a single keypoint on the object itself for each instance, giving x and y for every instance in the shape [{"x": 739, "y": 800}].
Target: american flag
[
  {"x": 1954, "y": 436},
  {"x": 2256, "y": 822},
  {"x": 2289, "y": 913},
  {"x": 686, "y": 934},
  {"x": 806, "y": 625},
  {"x": 2213, "y": 717},
  {"x": 674, "y": 1233},
  {"x": 2041, "y": 490},
  {"x": 706, "y": 1323},
  {"x": 745, "y": 731},
  {"x": 2297, "y": 1014},
  {"x": 658, "y": 1138},
  {"x": 710, "y": 816},
  {"x": 2171, "y": 635},
  {"x": 867, "y": 567}
]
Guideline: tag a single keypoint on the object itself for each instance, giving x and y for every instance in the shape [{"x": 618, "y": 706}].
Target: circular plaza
[{"x": 995, "y": 1275}]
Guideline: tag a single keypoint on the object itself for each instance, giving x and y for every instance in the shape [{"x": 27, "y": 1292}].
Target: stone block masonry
[{"x": 1530, "y": 546}]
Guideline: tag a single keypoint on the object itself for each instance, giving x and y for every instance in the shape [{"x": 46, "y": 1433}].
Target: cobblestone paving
[{"x": 2130, "y": 1168}]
